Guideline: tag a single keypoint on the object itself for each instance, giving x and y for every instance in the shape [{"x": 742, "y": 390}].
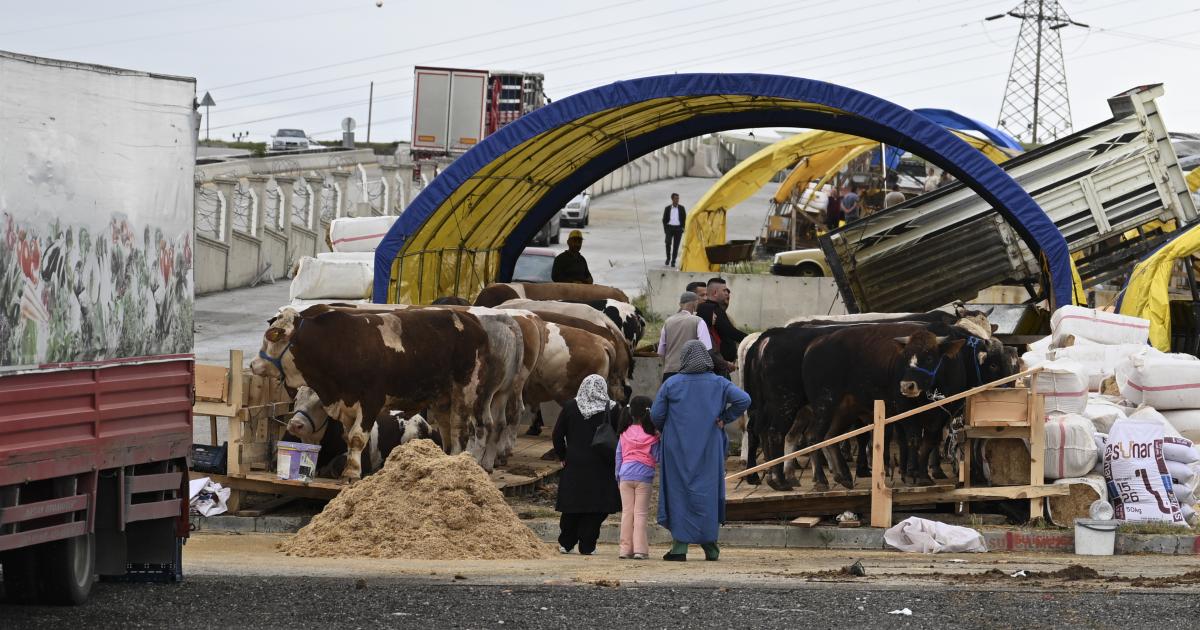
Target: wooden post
[
  {"x": 964, "y": 470},
  {"x": 881, "y": 495},
  {"x": 1037, "y": 446}
]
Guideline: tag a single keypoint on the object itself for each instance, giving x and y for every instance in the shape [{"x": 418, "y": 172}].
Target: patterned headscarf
[
  {"x": 695, "y": 359},
  {"x": 593, "y": 396}
]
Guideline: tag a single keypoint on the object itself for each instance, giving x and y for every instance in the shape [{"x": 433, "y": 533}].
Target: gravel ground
[{"x": 296, "y": 603}]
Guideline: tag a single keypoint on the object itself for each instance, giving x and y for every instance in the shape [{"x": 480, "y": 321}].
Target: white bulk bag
[
  {"x": 364, "y": 256},
  {"x": 1139, "y": 484},
  {"x": 1159, "y": 380},
  {"x": 1099, "y": 362},
  {"x": 1101, "y": 439},
  {"x": 1102, "y": 412},
  {"x": 348, "y": 279},
  {"x": 1150, "y": 414},
  {"x": 1098, "y": 326},
  {"x": 1032, "y": 359},
  {"x": 1181, "y": 474},
  {"x": 1179, "y": 449},
  {"x": 1096, "y": 481},
  {"x": 1186, "y": 422},
  {"x": 358, "y": 234},
  {"x": 1041, "y": 346},
  {"x": 1070, "y": 448},
  {"x": 1063, "y": 385}
]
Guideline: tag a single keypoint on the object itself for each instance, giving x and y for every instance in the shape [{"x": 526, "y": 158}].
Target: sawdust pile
[{"x": 422, "y": 504}]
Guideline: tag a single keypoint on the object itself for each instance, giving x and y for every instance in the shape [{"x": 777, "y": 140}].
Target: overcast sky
[{"x": 307, "y": 63}]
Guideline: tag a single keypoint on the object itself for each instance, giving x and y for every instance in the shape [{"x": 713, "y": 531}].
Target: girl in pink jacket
[{"x": 637, "y": 458}]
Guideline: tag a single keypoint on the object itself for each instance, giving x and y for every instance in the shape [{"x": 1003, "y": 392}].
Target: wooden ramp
[
  {"x": 760, "y": 503},
  {"x": 523, "y": 473}
]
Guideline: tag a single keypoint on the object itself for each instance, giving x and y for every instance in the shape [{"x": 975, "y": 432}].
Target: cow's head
[
  {"x": 310, "y": 418},
  {"x": 924, "y": 355},
  {"x": 274, "y": 356}
]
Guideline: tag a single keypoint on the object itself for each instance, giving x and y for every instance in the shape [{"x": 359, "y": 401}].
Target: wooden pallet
[{"x": 526, "y": 456}]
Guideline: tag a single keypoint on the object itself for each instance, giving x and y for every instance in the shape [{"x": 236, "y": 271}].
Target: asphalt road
[{"x": 297, "y": 603}]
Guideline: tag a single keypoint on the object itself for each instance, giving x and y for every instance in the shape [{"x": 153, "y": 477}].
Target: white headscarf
[{"x": 593, "y": 396}]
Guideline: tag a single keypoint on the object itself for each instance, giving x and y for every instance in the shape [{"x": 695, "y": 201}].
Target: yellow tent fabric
[
  {"x": 1193, "y": 180},
  {"x": 824, "y": 150},
  {"x": 1147, "y": 295}
]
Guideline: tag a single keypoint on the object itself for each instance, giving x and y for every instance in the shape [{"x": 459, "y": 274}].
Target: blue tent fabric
[
  {"x": 954, "y": 120},
  {"x": 860, "y": 113}
]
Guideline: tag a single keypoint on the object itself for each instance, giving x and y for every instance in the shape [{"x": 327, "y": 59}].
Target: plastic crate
[{"x": 210, "y": 459}]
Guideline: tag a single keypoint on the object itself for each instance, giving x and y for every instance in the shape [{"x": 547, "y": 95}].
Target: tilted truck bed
[{"x": 947, "y": 245}]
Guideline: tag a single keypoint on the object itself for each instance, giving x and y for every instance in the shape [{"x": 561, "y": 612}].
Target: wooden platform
[
  {"x": 526, "y": 458},
  {"x": 757, "y": 503}
]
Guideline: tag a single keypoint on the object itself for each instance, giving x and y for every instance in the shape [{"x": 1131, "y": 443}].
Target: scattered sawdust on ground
[
  {"x": 423, "y": 504},
  {"x": 1191, "y": 577},
  {"x": 521, "y": 470}
]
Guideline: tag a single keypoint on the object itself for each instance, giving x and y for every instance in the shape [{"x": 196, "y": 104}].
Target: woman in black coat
[{"x": 587, "y": 487}]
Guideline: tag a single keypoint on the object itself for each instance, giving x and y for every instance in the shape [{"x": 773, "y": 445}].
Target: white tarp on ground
[
  {"x": 207, "y": 497},
  {"x": 323, "y": 279},
  {"x": 925, "y": 536},
  {"x": 358, "y": 234}
]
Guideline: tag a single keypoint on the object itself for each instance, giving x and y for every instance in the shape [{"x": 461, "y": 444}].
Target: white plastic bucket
[{"x": 1095, "y": 537}]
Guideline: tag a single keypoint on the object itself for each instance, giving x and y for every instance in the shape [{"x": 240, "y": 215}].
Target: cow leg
[
  {"x": 814, "y": 434},
  {"x": 356, "y": 441},
  {"x": 841, "y": 471},
  {"x": 862, "y": 467},
  {"x": 791, "y": 443},
  {"x": 752, "y": 439},
  {"x": 535, "y": 427}
]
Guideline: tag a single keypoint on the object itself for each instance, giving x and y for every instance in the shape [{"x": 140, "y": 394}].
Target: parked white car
[
  {"x": 576, "y": 212},
  {"x": 290, "y": 140}
]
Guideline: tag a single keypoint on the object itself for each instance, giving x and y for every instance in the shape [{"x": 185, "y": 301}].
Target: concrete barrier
[{"x": 759, "y": 301}]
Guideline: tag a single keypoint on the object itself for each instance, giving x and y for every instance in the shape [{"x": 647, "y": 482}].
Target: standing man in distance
[
  {"x": 673, "y": 219},
  {"x": 700, "y": 289},
  {"x": 726, "y": 336},
  {"x": 850, "y": 204},
  {"x": 571, "y": 266},
  {"x": 894, "y": 196},
  {"x": 679, "y": 329}
]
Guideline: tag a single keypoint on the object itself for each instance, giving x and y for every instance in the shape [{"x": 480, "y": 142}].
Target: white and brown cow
[
  {"x": 498, "y": 293},
  {"x": 359, "y": 364},
  {"x": 570, "y": 356}
]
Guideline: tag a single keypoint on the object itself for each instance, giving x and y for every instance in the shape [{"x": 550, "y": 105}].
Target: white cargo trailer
[{"x": 448, "y": 110}]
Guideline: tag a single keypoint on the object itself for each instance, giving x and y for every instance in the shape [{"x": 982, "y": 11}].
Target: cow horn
[
  {"x": 942, "y": 340},
  {"x": 989, "y": 311},
  {"x": 902, "y": 340}
]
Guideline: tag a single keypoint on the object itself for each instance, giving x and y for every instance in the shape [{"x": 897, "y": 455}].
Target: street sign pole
[{"x": 207, "y": 102}]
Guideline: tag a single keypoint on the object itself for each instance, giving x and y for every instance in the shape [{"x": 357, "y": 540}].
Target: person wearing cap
[
  {"x": 571, "y": 266},
  {"x": 679, "y": 329}
]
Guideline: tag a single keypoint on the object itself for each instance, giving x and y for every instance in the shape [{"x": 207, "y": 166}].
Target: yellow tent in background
[
  {"x": 826, "y": 151},
  {"x": 1193, "y": 180},
  {"x": 1147, "y": 295}
]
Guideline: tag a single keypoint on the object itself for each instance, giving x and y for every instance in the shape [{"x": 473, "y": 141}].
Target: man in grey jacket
[{"x": 679, "y": 329}]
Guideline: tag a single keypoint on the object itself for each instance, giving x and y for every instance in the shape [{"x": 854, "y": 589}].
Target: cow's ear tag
[{"x": 274, "y": 334}]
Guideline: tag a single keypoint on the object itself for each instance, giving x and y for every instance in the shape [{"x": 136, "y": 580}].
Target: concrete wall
[
  {"x": 668, "y": 162},
  {"x": 759, "y": 301},
  {"x": 283, "y": 206}
]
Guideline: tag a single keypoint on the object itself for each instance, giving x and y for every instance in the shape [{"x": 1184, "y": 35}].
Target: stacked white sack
[
  {"x": 1186, "y": 422},
  {"x": 1179, "y": 453},
  {"x": 1162, "y": 381},
  {"x": 1063, "y": 385},
  {"x": 1070, "y": 446},
  {"x": 321, "y": 279},
  {"x": 363, "y": 256},
  {"x": 1099, "y": 361},
  {"x": 1098, "y": 326},
  {"x": 1103, "y": 411},
  {"x": 358, "y": 234}
]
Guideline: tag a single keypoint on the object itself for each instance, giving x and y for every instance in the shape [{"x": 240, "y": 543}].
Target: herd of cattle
[
  {"x": 472, "y": 370},
  {"x": 815, "y": 379}
]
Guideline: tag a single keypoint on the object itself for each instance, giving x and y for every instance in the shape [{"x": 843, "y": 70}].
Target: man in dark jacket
[
  {"x": 725, "y": 335},
  {"x": 673, "y": 219},
  {"x": 571, "y": 266}
]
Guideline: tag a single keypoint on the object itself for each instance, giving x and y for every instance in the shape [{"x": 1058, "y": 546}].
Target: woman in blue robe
[{"x": 690, "y": 411}]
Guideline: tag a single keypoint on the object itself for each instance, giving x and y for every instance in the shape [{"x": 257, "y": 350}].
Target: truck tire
[
  {"x": 20, "y": 576},
  {"x": 68, "y": 570}
]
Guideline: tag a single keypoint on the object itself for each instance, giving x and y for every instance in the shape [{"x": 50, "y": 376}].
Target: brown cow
[
  {"x": 407, "y": 360},
  {"x": 570, "y": 356},
  {"x": 496, "y": 294}
]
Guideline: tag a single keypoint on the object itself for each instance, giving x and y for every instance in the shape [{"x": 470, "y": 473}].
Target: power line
[
  {"x": 424, "y": 46},
  {"x": 108, "y": 18}
]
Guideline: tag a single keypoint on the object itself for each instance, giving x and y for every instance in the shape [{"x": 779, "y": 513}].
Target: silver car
[{"x": 576, "y": 213}]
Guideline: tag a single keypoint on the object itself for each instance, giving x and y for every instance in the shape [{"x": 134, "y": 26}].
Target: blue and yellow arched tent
[{"x": 472, "y": 222}]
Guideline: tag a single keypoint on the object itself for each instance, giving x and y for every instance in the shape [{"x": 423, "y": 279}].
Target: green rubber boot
[
  {"x": 678, "y": 552},
  {"x": 711, "y": 551}
]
